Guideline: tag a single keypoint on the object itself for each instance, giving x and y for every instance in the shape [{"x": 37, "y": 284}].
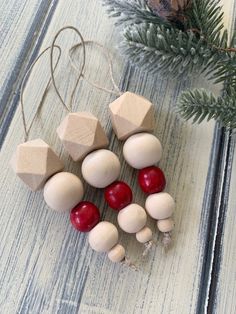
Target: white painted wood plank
[
  {"x": 226, "y": 296},
  {"x": 46, "y": 266},
  {"x": 16, "y": 20}
]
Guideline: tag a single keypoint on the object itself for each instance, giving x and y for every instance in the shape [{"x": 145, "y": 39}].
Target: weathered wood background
[{"x": 45, "y": 265}]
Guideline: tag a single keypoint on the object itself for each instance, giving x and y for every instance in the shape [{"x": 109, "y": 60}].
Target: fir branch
[
  {"x": 157, "y": 48},
  {"x": 131, "y": 12},
  {"x": 207, "y": 17},
  {"x": 200, "y": 105}
]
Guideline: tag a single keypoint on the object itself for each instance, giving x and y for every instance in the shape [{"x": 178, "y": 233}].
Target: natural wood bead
[
  {"x": 130, "y": 114},
  {"x": 63, "y": 191},
  {"x": 34, "y": 162},
  {"x": 160, "y": 205},
  {"x": 132, "y": 218},
  {"x": 142, "y": 150},
  {"x": 101, "y": 168},
  {"x": 103, "y": 237},
  {"x": 165, "y": 225},
  {"x": 81, "y": 133},
  {"x": 144, "y": 235},
  {"x": 117, "y": 253}
]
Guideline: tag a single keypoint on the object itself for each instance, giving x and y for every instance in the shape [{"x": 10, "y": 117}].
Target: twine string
[
  {"x": 22, "y": 88},
  {"x": 106, "y": 52},
  {"x": 67, "y": 107}
]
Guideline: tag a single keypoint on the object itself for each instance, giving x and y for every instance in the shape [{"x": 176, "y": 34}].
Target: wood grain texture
[
  {"x": 45, "y": 265},
  {"x": 226, "y": 289}
]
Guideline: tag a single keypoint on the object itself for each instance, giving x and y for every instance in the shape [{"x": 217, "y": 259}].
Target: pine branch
[
  {"x": 157, "y": 48},
  {"x": 131, "y": 12},
  {"x": 207, "y": 17},
  {"x": 200, "y": 105}
]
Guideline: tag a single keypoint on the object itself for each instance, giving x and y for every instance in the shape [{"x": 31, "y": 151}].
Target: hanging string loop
[
  {"x": 106, "y": 52},
  {"x": 68, "y": 108},
  {"x": 22, "y": 88}
]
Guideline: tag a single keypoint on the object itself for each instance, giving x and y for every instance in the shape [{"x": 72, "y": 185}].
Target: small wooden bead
[
  {"x": 142, "y": 150},
  {"x": 144, "y": 235},
  {"x": 132, "y": 218},
  {"x": 63, "y": 191},
  {"x": 100, "y": 168},
  {"x": 165, "y": 225},
  {"x": 34, "y": 162},
  {"x": 103, "y": 237},
  {"x": 160, "y": 205},
  {"x": 117, "y": 253}
]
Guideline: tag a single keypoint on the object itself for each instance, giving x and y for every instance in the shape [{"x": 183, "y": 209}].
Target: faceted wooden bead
[
  {"x": 34, "y": 162},
  {"x": 165, "y": 225},
  {"x": 160, "y": 205},
  {"x": 63, "y": 191},
  {"x": 144, "y": 235},
  {"x": 132, "y": 218},
  {"x": 103, "y": 237},
  {"x": 81, "y": 133},
  {"x": 142, "y": 150},
  {"x": 130, "y": 114},
  {"x": 101, "y": 168},
  {"x": 117, "y": 253}
]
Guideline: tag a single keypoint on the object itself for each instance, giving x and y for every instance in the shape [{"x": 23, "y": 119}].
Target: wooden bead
[
  {"x": 103, "y": 237},
  {"x": 81, "y": 133},
  {"x": 63, "y": 191},
  {"x": 101, "y": 168},
  {"x": 165, "y": 225},
  {"x": 142, "y": 150},
  {"x": 160, "y": 205},
  {"x": 130, "y": 114},
  {"x": 144, "y": 235},
  {"x": 132, "y": 218},
  {"x": 117, "y": 253},
  {"x": 34, "y": 162}
]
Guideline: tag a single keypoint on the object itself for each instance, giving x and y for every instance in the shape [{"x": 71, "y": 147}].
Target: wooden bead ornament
[
  {"x": 132, "y": 117},
  {"x": 84, "y": 138},
  {"x": 38, "y": 166},
  {"x": 142, "y": 151}
]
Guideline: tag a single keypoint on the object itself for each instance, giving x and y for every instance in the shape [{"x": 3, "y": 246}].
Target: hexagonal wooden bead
[
  {"x": 130, "y": 114},
  {"x": 34, "y": 162},
  {"x": 81, "y": 133}
]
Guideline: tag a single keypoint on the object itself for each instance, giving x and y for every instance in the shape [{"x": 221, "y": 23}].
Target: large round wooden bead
[
  {"x": 132, "y": 218},
  {"x": 100, "y": 168},
  {"x": 118, "y": 195},
  {"x": 151, "y": 180},
  {"x": 160, "y": 205},
  {"x": 84, "y": 216},
  {"x": 103, "y": 237},
  {"x": 117, "y": 253},
  {"x": 142, "y": 150},
  {"x": 63, "y": 191},
  {"x": 165, "y": 225}
]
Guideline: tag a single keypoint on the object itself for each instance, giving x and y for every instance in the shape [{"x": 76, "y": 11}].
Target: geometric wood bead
[
  {"x": 130, "y": 114},
  {"x": 81, "y": 133},
  {"x": 34, "y": 162}
]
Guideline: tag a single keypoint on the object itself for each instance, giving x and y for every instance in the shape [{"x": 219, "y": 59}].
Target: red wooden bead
[
  {"x": 84, "y": 216},
  {"x": 151, "y": 180},
  {"x": 118, "y": 195}
]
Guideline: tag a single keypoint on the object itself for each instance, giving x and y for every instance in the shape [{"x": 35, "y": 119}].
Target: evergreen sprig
[
  {"x": 169, "y": 50},
  {"x": 200, "y": 105},
  {"x": 198, "y": 44}
]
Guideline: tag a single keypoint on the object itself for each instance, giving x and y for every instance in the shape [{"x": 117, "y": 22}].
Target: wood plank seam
[{"x": 10, "y": 99}]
